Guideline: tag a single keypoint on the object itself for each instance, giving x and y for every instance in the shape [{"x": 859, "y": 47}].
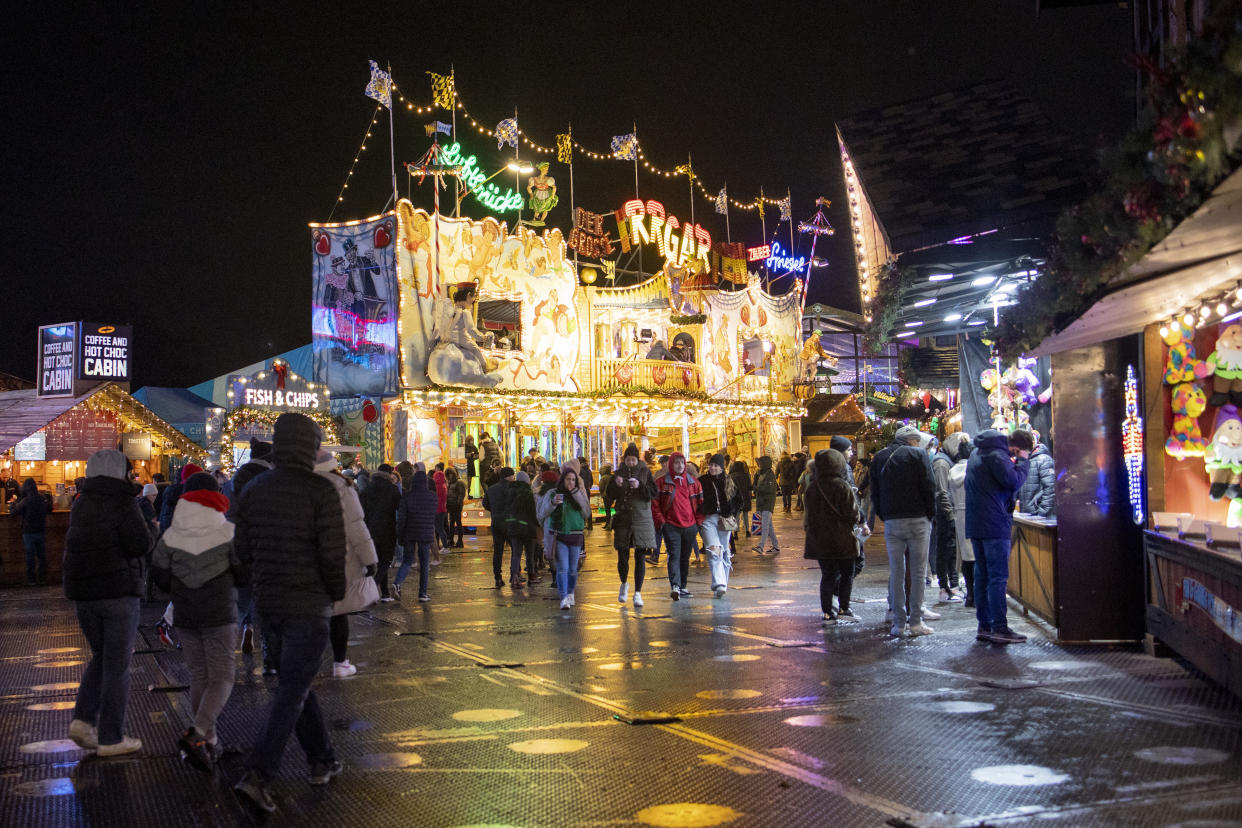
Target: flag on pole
[
  {"x": 564, "y": 149},
  {"x": 442, "y": 90},
  {"x": 507, "y": 133},
  {"x": 684, "y": 169},
  {"x": 438, "y": 127},
  {"x": 722, "y": 201},
  {"x": 625, "y": 147},
  {"x": 785, "y": 209},
  {"x": 380, "y": 87}
]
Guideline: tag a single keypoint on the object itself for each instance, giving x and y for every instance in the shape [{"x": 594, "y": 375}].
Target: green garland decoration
[
  {"x": 1159, "y": 174},
  {"x": 245, "y": 416},
  {"x": 692, "y": 319},
  {"x": 892, "y": 284}
]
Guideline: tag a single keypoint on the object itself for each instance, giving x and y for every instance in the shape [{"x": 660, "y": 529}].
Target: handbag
[
  {"x": 359, "y": 595},
  {"x": 729, "y": 524}
]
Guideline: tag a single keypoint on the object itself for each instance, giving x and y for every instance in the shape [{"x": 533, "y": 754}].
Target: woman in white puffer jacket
[
  {"x": 360, "y": 562},
  {"x": 959, "y": 446}
]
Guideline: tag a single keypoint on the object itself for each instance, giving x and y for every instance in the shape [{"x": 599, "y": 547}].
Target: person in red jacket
[{"x": 678, "y": 509}]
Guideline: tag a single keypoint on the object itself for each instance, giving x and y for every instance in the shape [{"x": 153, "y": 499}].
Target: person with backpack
[
  {"x": 765, "y": 488},
  {"x": 565, "y": 507},
  {"x": 521, "y": 523}
]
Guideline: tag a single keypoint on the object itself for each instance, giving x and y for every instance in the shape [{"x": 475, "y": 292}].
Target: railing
[{"x": 660, "y": 374}]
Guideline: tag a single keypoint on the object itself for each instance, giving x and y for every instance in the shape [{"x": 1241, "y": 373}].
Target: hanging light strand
[{"x": 340, "y": 196}]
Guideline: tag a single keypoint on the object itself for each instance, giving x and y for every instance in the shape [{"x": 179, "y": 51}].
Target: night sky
[{"x": 162, "y": 165}]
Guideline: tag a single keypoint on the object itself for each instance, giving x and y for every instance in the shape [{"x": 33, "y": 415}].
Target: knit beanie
[
  {"x": 201, "y": 481},
  {"x": 549, "y": 476},
  {"x": 718, "y": 460},
  {"x": 505, "y": 471},
  {"x": 108, "y": 463},
  {"x": 189, "y": 469},
  {"x": 840, "y": 443},
  {"x": 523, "y": 477},
  {"x": 630, "y": 451},
  {"x": 150, "y": 489},
  {"x": 260, "y": 449}
]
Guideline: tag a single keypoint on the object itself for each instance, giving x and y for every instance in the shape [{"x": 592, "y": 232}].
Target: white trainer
[
  {"x": 343, "y": 669},
  {"x": 920, "y": 629},
  {"x": 565, "y": 603},
  {"x": 897, "y": 631},
  {"x": 930, "y": 615},
  {"x": 83, "y": 735},
  {"x": 720, "y": 591},
  {"x": 638, "y": 599},
  {"x": 623, "y": 594},
  {"x": 128, "y": 744}
]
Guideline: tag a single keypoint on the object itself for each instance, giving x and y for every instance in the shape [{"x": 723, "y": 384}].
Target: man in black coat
[
  {"x": 380, "y": 501},
  {"x": 905, "y": 499},
  {"x": 105, "y": 547},
  {"x": 291, "y": 533},
  {"x": 259, "y": 462},
  {"x": 496, "y": 502}
]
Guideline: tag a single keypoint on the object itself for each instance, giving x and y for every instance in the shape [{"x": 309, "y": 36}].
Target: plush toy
[
  {"x": 1182, "y": 365},
  {"x": 1023, "y": 381},
  {"x": 1223, "y": 458},
  {"x": 1225, "y": 363},
  {"x": 1186, "y": 440}
]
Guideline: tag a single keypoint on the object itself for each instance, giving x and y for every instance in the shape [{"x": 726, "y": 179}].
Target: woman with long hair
[
  {"x": 829, "y": 519},
  {"x": 722, "y": 503},
  {"x": 565, "y": 508}
]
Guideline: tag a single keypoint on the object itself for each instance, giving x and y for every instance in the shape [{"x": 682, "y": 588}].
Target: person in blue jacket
[{"x": 994, "y": 474}]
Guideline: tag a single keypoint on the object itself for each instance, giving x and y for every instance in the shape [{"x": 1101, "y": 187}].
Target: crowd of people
[{"x": 292, "y": 544}]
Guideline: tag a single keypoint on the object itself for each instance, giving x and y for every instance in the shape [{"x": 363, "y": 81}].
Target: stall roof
[
  {"x": 301, "y": 362},
  {"x": 1202, "y": 256},
  {"x": 174, "y": 405},
  {"x": 22, "y": 413}
]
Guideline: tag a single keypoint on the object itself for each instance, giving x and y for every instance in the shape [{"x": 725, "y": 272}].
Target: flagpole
[
  {"x": 392, "y": 147},
  {"x": 456, "y": 179},
  {"x": 690, "y": 182},
  {"x": 517, "y": 156},
  {"x": 634, "y": 124},
  {"x": 570, "y": 133},
  {"x": 728, "y": 232},
  {"x": 763, "y": 223},
  {"x": 789, "y": 204}
]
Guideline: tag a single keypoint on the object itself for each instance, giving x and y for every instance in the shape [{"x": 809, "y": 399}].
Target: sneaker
[
  {"x": 638, "y": 599},
  {"x": 946, "y": 596},
  {"x": 920, "y": 629},
  {"x": 623, "y": 593},
  {"x": 685, "y": 593},
  {"x": 830, "y": 619},
  {"x": 572, "y": 601},
  {"x": 930, "y": 615},
  {"x": 565, "y": 603},
  {"x": 83, "y": 735},
  {"x": 252, "y": 787},
  {"x": 517, "y": 583},
  {"x": 675, "y": 594},
  {"x": 897, "y": 630},
  {"x": 343, "y": 669},
  {"x": 423, "y": 599},
  {"x": 847, "y": 617},
  {"x": 500, "y": 583},
  {"x": 194, "y": 749},
  {"x": 322, "y": 772},
  {"x": 1006, "y": 636},
  {"x": 387, "y": 599},
  {"x": 165, "y": 632},
  {"x": 984, "y": 633},
  {"x": 720, "y": 591},
  {"x": 247, "y": 639},
  {"x": 396, "y": 590},
  {"x": 128, "y": 744}
]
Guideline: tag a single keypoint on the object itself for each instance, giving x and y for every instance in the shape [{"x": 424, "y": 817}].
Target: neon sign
[
  {"x": 479, "y": 185},
  {"x": 1132, "y": 446},
  {"x": 648, "y": 223},
  {"x": 758, "y": 254},
  {"x": 776, "y": 261}
]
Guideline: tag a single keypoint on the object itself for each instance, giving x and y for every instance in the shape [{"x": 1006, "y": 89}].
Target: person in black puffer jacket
[
  {"x": 291, "y": 533},
  {"x": 105, "y": 547},
  {"x": 380, "y": 502},
  {"x": 260, "y": 461},
  {"x": 416, "y": 529}
]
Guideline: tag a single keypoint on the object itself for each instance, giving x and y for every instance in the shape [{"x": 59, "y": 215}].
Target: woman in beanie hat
[
  {"x": 721, "y": 505},
  {"x": 196, "y": 563},
  {"x": 565, "y": 508},
  {"x": 105, "y": 547},
  {"x": 632, "y": 489}
]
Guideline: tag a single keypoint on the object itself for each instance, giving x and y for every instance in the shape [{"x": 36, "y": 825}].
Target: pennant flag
[
  {"x": 785, "y": 209},
  {"x": 564, "y": 149},
  {"x": 507, "y": 133},
  {"x": 442, "y": 90},
  {"x": 438, "y": 127},
  {"x": 380, "y": 87},
  {"x": 684, "y": 169},
  {"x": 722, "y": 201},
  {"x": 625, "y": 147}
]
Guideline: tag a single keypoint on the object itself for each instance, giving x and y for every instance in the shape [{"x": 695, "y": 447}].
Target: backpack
[{"x": 519, "y": 522}]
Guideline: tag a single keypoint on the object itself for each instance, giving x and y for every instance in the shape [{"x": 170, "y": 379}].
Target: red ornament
[
  {"x": 281, "y": 370},
  {"x": 383, "y": 235},
  {"x": 369, "y": 412},
  {"x": 323, "y": 244}
]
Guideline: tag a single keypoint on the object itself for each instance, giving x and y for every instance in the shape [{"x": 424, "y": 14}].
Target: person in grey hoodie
[
  {"x": 196, "y": 563},
  {"x": 1038, "y": 494}
]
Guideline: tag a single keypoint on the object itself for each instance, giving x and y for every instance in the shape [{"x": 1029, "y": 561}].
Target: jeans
[
  {"x": 109, "y": 626},
  {"x": 991, "y": 579},
  {"x": 566, "y": 568},
  {"x": 35, "y": 544},
  {"x": 456, "y": 529},
  {"x": 208, "y": 654},
  {"x": 421, "y": 549},
  {"x": 944, "y": 542},
  {"x": 522, "y": 548},
  {"x": 836, "y": 577},
  {"x": 716, "y": 543},
  {"x": 297, "y": 643},
  {"x": 907, "y": 540},
  {"x": 767, "y": 531},
  {"x": 680, "y": 541},
  {"x": 787, "y": 496},
  {"x": 640, "y": 567},
  {"x": 442, "y": 528}
]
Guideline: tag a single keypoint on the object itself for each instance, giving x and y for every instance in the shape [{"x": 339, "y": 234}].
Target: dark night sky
[{"x": 161, "y": 166}]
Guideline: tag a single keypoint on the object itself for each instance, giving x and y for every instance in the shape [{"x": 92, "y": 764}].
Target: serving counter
[
  {"x": 1194, "y": 597},
  {"x": 13, "y": 554},
  {"x": 1033, "y": 566}
]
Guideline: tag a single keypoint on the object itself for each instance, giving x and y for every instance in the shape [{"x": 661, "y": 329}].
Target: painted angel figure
[{"x": 456, "y": 358}]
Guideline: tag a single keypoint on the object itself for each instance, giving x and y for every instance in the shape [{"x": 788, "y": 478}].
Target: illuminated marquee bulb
[
  {"x": 1221, "y": 308},
  {"x": 1188, "y": 319}
]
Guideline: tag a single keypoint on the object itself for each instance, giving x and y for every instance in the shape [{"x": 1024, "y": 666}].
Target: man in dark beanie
[
  {"x": 496, "y": 502},
  {"x": 291, "y": 533}
]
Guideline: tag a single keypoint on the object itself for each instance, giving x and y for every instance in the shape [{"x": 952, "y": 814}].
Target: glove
[{"x": 371, "y": 570}]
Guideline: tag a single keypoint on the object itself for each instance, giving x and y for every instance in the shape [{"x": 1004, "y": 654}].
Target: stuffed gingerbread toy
[
  {"x": 1225, "y": 364},
  {"x": 1223, "y": 458}
]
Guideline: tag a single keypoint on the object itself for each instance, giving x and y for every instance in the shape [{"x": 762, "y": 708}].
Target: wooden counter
[
  {"x": 13, "y": 555},
  {"x": 1194, "y": 604},
  {"x": 1033, "y": 566}
]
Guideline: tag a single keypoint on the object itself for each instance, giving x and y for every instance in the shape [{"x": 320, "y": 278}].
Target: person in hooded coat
[
  {"x": 360, "y": 564},
  {"x": 741, "y": 481},
  {"x": 416, "y": 528},
  {"x": 290, "y": 531},
  {"x": 455, "y": 502},
  {"x": 380, "y": 502},
  {"x": 521, "y": 529},
  {"x": 34, "y": 507},
  {"x": 959, "y": 446},
  {"x": 105, "y": 549},
  {"x": 829, "y": 518},
  {"x": 259, "y": 462},
  {"x": 632, "y": 490},
  {"x": 196, "y": 563},
  {"x": 765, "y": 488}
]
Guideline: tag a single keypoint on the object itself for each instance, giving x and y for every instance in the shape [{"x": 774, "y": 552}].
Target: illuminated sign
[
  {"x": 1132, "y": 446},
  {"x": 278, "y": 389},
  {"x": 103, "y": 352},
  {"x": 648, "y": 223},
  {"x": 777, "y": 261},
  {"x": 758, "y": 254},
  {"x": 276, "y": 398},
  {"x": 588, "y": 236},
  {"x": 479, "y": 184},
  {"x": 57, "y": 352}
]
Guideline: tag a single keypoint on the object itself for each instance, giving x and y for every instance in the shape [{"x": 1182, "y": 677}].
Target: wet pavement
[{"x": 493, "y": 708}]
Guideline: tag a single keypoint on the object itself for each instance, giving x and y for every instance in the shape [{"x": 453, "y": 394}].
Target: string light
[
  {"x": 1132, "y": 445},
  {"x": 340, "y": 196}
]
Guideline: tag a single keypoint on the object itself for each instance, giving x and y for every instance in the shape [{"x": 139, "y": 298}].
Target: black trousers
[
  {"x": 338, "y": 634},
  {"x": 455, "y": 526},
  {"x": 944, "y": 551},
  {"x": 381, "y": 570},
  {"x": 498, "y": 550},
  {"x": 640, "y": 566},
  {"x": 836, "y": 577}
]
